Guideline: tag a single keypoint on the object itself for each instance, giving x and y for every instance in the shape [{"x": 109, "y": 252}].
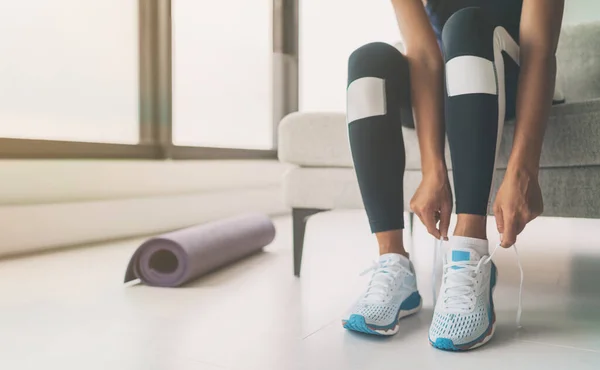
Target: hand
[
  {"x": 432, "y": 202},
  {"x": 519, "y": 200}
]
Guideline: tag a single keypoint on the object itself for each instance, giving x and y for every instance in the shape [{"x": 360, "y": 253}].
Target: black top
[{"x": 506, "y": 13}]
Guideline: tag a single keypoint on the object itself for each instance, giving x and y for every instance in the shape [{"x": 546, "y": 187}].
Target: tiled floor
[{"x": 69, "y": 309}]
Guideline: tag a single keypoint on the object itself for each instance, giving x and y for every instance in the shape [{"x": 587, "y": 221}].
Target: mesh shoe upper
[
  {"x": 379, "y": 314},
  {"x": 464, "y": 311},
  {"x": 461, "y": 328},
  {"x": 391, "y": 284}
]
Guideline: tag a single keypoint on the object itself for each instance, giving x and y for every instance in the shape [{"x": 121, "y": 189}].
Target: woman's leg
[
  {"x": 477, "y": 79},
  {"x": 378, "y": 100},
  {"x": 481, "y": 81}
]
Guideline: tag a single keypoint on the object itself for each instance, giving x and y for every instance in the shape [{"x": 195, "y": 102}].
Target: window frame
[{"x": 155, "y": 117}]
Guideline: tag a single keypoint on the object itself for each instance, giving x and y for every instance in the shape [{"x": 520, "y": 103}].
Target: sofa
[{"x": 322, "y": 177}]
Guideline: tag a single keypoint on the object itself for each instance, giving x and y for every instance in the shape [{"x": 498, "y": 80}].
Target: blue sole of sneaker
[
  {"x": 447, "y": 344},
  {"x": 357, "y": 323}
]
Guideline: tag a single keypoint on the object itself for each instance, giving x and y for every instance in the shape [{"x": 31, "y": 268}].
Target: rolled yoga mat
[{"x": 175, "y": 258}]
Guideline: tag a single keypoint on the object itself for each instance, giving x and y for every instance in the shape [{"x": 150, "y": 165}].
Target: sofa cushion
[
  {"x": 321, "y": 139},
  {"x": 332, "y": 188},
  {"x": 578, "y": 58},
  {"x": 337, "y": 188}
]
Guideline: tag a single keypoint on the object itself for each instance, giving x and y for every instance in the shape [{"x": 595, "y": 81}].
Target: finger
[
  {"x": 445, "y": 214},
  {"x": 529, "y": 216},
  {"x": 430, "y": 223},
  {"x": 521, "y": 226},
  {"x": 509, "y": 237},
  {"x": 499, "y": 219},
  {"x": 413, "y": 207}
]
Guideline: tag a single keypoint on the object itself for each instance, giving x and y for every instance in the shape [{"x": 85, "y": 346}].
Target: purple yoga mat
[{"x": 175, "y": 258}]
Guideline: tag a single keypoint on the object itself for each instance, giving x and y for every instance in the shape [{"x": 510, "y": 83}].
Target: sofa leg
[
  {"x": 299, "y": 218},
  {"x": 411, "y": 223}
]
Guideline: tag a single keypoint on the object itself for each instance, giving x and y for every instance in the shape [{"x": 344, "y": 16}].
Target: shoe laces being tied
[
  {"x": 461, "y": 278},
  {"x": 383, "y": 279}
]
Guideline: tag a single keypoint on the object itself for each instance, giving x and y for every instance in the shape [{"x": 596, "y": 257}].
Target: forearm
[
  {"x": 427, "y": 99},
  {"x": 426, "y": 80},
  {"x": 534, "y": 100},
  {"x": 539, "y": 33}
]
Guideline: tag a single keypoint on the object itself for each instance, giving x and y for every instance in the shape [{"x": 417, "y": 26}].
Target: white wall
[
  {"x": 52, "y": 204},
  {"x": 63, "y": 181},
  {"x": 34, "y": 227}
]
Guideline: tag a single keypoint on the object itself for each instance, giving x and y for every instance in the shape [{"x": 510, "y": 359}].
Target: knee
[
  {"x": 468, "y": 32},
  {"x": 374, "y": 52},
  {"x": 376, "y": 59}
]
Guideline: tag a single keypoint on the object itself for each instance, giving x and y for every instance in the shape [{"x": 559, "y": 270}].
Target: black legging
[{"x": 481, "y": 83}]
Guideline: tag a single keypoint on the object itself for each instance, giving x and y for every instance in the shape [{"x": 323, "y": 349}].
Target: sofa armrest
[{"x": 314, "y": 140}]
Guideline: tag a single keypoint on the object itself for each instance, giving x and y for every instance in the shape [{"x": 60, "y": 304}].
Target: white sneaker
[
  {"x": 391, "y": 294},
  {"x": 464, "y": 316}
]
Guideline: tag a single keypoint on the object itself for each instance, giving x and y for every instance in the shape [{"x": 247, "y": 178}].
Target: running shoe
[
  {"x": 391, "y": 295},
  {"x": 464, "y": 316}
]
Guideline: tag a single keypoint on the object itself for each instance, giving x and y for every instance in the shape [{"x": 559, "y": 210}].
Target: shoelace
[
  {"x": 382, "y": 278},
  {"x": 462, "y": 283}
]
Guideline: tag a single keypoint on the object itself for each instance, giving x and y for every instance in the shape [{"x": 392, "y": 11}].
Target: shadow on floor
[{"x": 584, "y": 273}]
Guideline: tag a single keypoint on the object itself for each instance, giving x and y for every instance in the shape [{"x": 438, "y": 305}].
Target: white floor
[{"x": 69, "y": 309}]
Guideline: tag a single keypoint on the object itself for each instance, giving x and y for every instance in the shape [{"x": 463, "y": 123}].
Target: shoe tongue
[
  {"x": 462, "y": 254},
  {"x": 462, "y": 249},
  {"x": 388, "y": 259},
  {"x": 480, "y": 247}
]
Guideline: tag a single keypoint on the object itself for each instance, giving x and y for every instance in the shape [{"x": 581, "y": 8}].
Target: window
[
  {"x": 65, "y": 74},
  {"x": 222, "y": 74},
  {"x": 329, "y": 32},
  {"x": 180, "y": 79}
]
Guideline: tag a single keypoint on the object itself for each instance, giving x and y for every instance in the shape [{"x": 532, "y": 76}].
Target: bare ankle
[
  {"x": 391, "y": 242},
  {"x": 473, "y": 226}
]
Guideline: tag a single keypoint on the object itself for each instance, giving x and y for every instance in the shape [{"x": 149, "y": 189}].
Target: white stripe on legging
[
  {"x": 365, "y": 97},
  {"x": 469, "y": 74},
  {"x": 502, "y": 42}
]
